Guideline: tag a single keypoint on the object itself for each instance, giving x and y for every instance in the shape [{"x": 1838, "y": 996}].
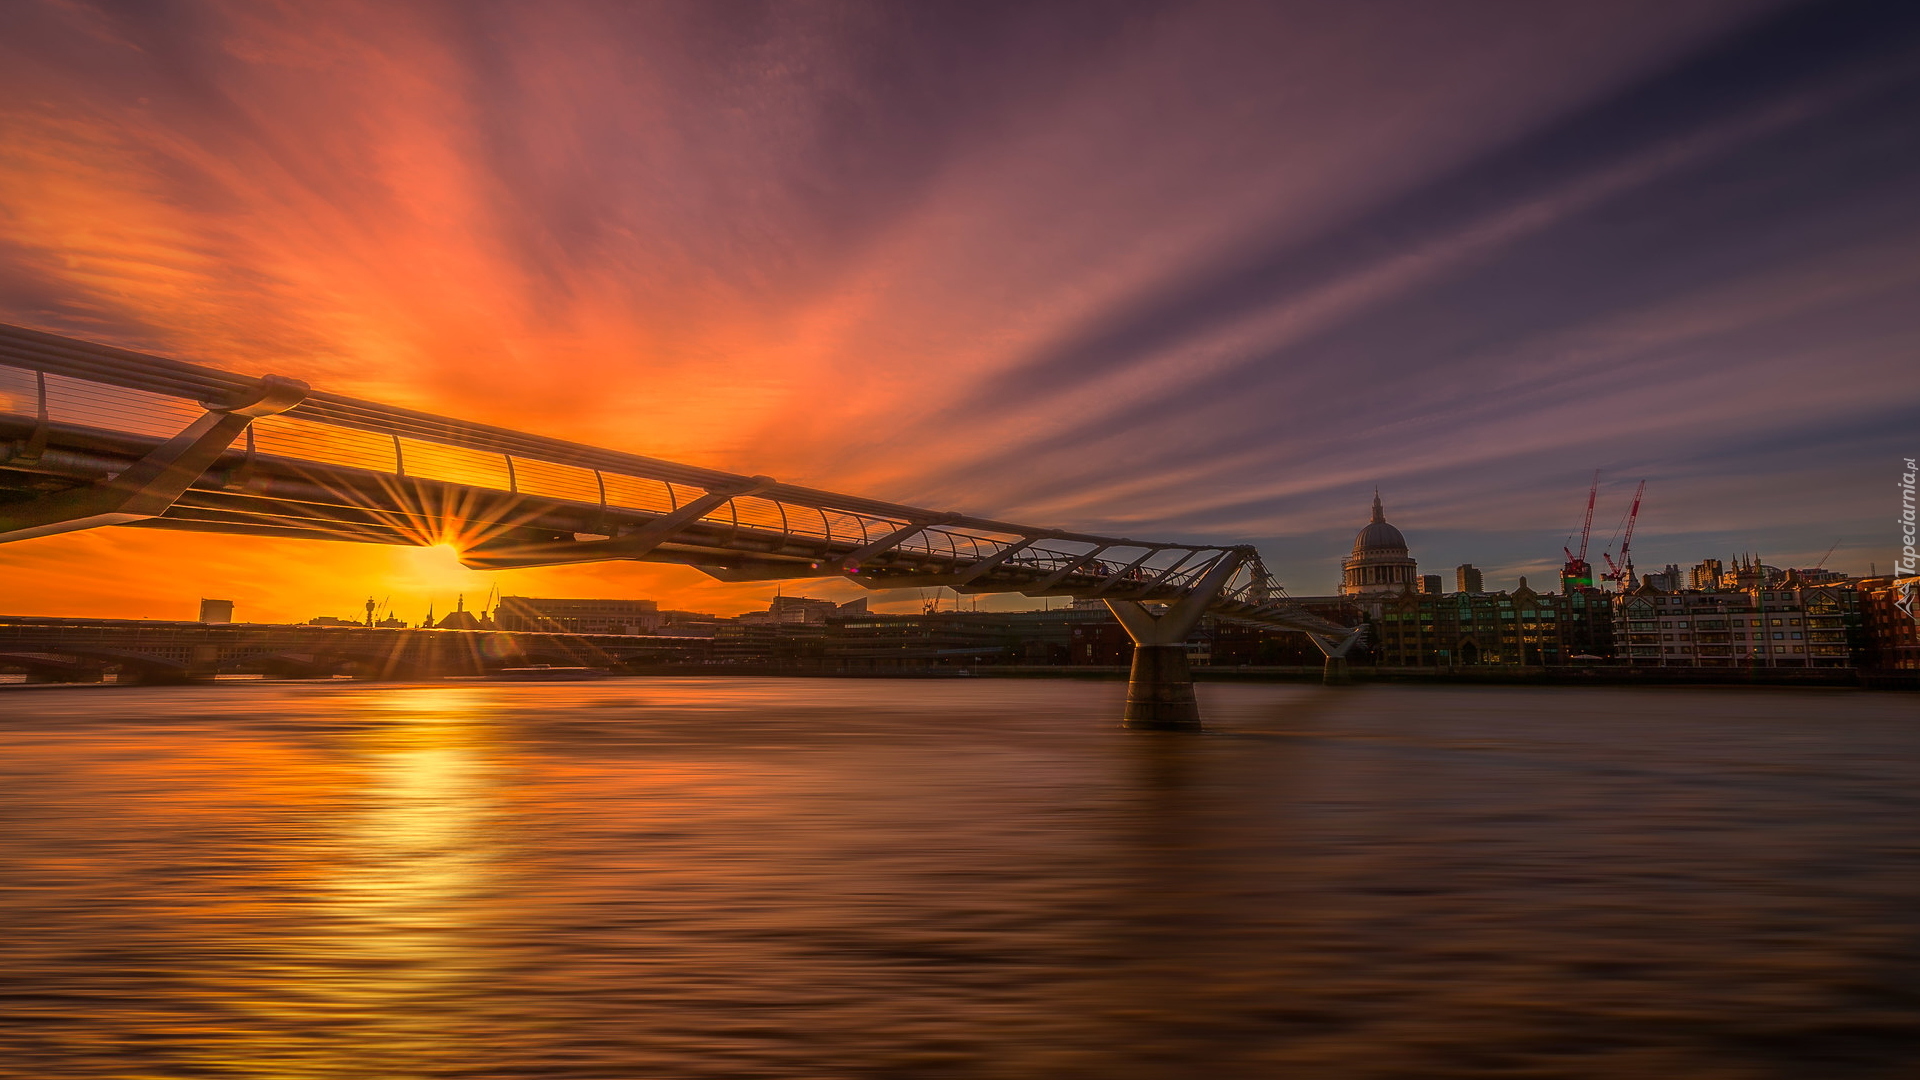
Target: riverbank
[{"x": 1467, "y": 676}]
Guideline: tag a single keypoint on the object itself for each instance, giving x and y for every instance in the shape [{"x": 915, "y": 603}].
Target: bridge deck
[{"x": 80, "y": 418}]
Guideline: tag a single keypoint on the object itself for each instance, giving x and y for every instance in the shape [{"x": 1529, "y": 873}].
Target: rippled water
[{"x": 956, "y": 878}]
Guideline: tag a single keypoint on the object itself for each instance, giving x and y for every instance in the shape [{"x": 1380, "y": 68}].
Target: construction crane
[
  {"x": 1578, "y": 573},
  {"x": 1621, "y": 573}
]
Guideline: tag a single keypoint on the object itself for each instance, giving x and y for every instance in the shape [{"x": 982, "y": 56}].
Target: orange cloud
[{"x": 844, "y": 246}]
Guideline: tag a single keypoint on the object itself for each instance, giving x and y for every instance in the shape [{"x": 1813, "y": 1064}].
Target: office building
[{"x": 216, "y": 611}]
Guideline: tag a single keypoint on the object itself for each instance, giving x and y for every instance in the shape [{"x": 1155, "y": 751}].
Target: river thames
[{"x": 956, "y": 878}]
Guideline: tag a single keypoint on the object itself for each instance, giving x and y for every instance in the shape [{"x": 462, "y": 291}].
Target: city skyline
[{"x": 1466, "y": 256}]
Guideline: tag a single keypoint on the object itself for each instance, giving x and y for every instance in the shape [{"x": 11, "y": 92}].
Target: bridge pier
[
  {"x": 1160, "y": 685},
  {"x": 1160, "y": 690},
  {"x": 1336, "y": 673}
]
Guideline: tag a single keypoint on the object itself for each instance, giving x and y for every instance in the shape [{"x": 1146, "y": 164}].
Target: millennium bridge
[{"x": 92, "y": 435}]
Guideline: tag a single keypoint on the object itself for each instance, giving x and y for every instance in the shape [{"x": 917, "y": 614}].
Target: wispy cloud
[{"x": 1204, "y": 270}]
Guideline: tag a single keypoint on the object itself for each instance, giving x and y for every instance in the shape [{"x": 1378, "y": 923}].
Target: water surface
[{"x": 956, "y": 878}]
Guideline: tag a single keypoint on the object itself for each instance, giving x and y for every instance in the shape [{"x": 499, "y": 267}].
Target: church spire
[{"x": 1378, "y": 514}]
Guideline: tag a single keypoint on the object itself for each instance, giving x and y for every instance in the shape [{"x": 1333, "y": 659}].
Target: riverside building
[
  {"x": 1887, "y": 623},
  {"x": 1521, "y": 628},
  {"x": 1789, "y": 624}
]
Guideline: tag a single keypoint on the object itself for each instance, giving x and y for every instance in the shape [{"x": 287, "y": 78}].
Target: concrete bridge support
[
  {"x": 1336, "y": 672},
  {"x": 1160, "y": 690},
  {"x": 1160, "y": 686}
]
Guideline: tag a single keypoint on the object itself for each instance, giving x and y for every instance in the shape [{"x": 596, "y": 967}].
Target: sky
[{"x": 1183, "y": 271}]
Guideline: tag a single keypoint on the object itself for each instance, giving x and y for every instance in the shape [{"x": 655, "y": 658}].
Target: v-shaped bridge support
[
  {"x": 1336, "y": 650},
  {"x": 1160, "y": 686},
  {"x": 153, "y": 483}
]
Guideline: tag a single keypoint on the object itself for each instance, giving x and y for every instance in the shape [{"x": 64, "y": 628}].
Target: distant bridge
[
  {"x": 153, "y": 651},
  {"x": 96, "y": 435}
]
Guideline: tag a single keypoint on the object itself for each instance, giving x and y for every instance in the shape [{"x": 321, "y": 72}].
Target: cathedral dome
[
  {"x": 1378, "y": 535},
  {"x": 1380, "y": 562}
]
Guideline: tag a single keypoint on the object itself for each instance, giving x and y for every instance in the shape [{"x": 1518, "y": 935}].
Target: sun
[{"x": 436, "y": 569}]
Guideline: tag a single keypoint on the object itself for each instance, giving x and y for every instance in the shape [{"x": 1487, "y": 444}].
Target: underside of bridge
[{"x": 92, "y": 435}]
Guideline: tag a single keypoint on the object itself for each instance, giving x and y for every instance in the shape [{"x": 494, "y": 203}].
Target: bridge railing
[{"x": 51, "y": 384}]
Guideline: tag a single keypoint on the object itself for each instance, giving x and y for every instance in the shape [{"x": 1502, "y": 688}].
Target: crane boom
[
  {"x": 1586, "y": 527},
  {"x": 1578, "y": 573},
  {"x": 1623, "y": 570}
]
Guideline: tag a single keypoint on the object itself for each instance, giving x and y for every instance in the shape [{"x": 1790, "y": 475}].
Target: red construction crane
[
  {"x": 1578, "y": 573},
  {"x": 1622, "y": 572}
]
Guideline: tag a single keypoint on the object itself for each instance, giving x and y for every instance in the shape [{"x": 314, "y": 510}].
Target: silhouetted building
[
  {"x": 867, "y": 642},
  {"x": 568, "y": 616},
  {"x": 761, "y": 641},
  {"x": 1430, "y": 585},
  {"x": 1668, "y": 580},
  {"x": 692, "y": 624},
  {"x": 461, "y": 619},
  {"x": 216, "y": 611},
  {"x": 1380, "y": 562},
  {"x": 803, "y": 611},
  {"x": 1466, "y": 579}
]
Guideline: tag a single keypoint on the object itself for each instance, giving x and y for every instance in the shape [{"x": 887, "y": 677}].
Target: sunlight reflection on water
[{"x": 761, "y": 877}]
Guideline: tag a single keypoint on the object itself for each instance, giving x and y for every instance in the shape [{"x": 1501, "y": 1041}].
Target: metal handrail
[{"x": 1160, "y": 567}]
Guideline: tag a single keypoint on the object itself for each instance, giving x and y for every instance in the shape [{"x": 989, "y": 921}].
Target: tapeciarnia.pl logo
[{"x": 1906, "y": 569}]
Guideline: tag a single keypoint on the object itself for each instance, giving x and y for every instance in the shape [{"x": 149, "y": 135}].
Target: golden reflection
[{"x": 403, "y": 888}]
